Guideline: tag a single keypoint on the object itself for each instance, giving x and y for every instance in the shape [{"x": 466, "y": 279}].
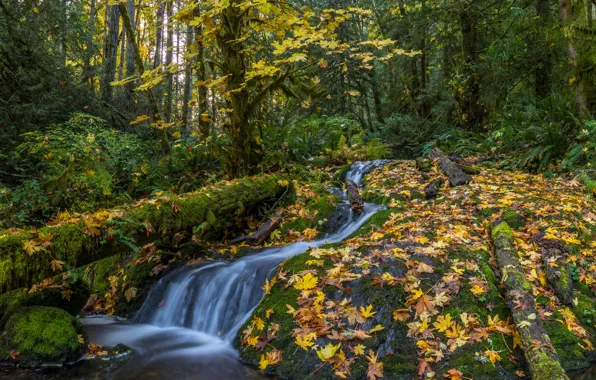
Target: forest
[{"x": 288, "y": 189}]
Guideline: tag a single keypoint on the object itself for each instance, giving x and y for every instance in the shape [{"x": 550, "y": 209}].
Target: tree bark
[
  {"x": 187, "y": 79},
  {"x": 543, "y": 64},
  {"x": 199, "y": 66},
  {"x": 140, "y": 66},
  {"x": 540, "y": 354},
  {"x": 169, "y": 53},
  {"x": 159, "y": 35},
  {"x": 471, "y": 108},
  {"x": 87, "y": 70},
  {"x": 580, "y": 62},
  {"x": 130, "y": 60},
  {"x": 110, "y": 52}
]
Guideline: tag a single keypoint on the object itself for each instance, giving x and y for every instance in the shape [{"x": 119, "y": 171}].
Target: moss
[
  {"x": 513, "y": 219},
  {"x": 44, "y": 336},
  {"x": 8, "y": 302},
  {"x": 571, "y": 355},
  {"x": 472, "y": 366},
  {"x": 502, "y": 230},
  {"x": 375, "y": 221},
  {"x": 322, "y": 208},
  {"x": 98, "y": 273}
]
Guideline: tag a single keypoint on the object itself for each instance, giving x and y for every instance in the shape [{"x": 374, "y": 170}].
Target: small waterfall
[{"x": 217, "y": 298}]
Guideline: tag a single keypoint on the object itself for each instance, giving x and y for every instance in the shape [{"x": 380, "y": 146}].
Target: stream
[{"x": 187, "y": 324}]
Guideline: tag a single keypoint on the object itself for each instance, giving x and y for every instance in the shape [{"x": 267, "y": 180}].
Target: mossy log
[
  {"x": 540, "y": 354},
  {"x": 84, "y": 239},
  {"x": 356, "y": 201},
  {"x": 556, "y": 267},
  {"x": 456, "y": 175}
]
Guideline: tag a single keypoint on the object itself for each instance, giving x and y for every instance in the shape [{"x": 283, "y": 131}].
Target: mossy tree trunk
[
  {"x": 85, "y": 239},
  {"x": 140, "y": 65},
  {"x": 540, "y": 354}
]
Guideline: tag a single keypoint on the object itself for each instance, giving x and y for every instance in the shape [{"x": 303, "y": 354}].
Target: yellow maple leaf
[
  {"x": 492, "y": 355},
  {"x": 307, "y": 282},
  {"x": 443, "y": 323},
  {"x": 328, "y": 352},
  {"x": 367, "y": 313},
  {"x": 305, "y": 341},
  {"x": 258, "y": 323},
  {"x": 263, "y": 363},
  {"x": 359, "y": 349},
  {"x": 376, "y": 328}
]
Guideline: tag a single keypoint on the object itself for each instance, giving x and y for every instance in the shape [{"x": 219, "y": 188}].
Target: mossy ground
[{"x": 441, "y": 248}]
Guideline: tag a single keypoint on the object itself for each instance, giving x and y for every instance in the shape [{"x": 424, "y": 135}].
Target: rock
[
  {"x": 432, "y": 189},
  {"x": 42, "y": 336},
  {"x": 338, "y": 219}
]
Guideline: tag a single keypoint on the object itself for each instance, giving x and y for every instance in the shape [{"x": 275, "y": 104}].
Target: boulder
[{"x": 40, "y": 336}]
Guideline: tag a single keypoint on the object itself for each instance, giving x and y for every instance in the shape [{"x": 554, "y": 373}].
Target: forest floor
[{"x": 417, "y": 292}]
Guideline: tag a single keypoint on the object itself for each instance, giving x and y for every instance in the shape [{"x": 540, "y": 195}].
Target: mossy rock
[{"x": 43, "y": 336}]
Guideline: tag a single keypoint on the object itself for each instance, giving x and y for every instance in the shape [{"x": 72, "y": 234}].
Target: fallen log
[
  {"x": 27, "y": 257},
  {"x": 540, "y": 354},
  {"x": 455, "y": 174},
  {"x": 556, "y": 267},
  {"x": 354, "y": 197},
  {"x": 263, "y": 232}
]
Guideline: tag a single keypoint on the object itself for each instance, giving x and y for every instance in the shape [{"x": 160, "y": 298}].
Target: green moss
[
  {"x": 43, "y": 336},
  {"x": 375, "y": 222},
  {"x": 571, "y": 355},
  {"x": 98, "y": 273},
  {"x": 322, "y": 208},
  {"x": 472, "y": 366},
  {"x": 513, "y": 219},
  {"x": 502, "y": 230}
]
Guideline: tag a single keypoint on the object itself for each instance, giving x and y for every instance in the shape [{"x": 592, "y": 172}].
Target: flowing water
[{"x": 186, "y": 325}]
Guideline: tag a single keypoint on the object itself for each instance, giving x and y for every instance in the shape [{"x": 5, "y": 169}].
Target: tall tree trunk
[
  {"x": 87, "y": 70},
  {"x": 543, "y": 61},
  {"x": 130, "y": 60},
  {"x": 187, "y": 78},
  {"x": 238, "y": 127},
  {"x": 110, "y": 52},
  {"x": 159, "y": 35},
  {"x": 580, "y": 60},
  {"x": 376, "y": 92},
  {"x": 201, "y": 70},
  {"x": 471, "y": 107},
  {"x": 169, "y": 54},
  {"x": 140, "y": 66}
]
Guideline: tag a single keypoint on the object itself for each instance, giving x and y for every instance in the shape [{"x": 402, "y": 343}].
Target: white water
[{"x": 191, "y": 317}]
